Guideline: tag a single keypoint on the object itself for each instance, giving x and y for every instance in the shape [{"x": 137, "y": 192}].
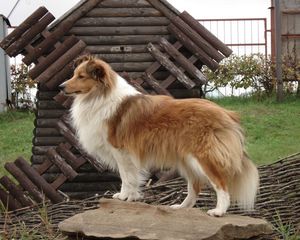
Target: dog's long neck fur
[{"x": 86, "y": 106}]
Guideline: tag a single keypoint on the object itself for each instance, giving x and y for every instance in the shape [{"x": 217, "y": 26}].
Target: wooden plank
[
  {"x": 60, "y": 180},
  {"x": 45, "y": 141},
  {"x": 44, "y": 166},
  {"x": 207, "y": 35},
  {"x": 15, "y": 191},
  {"x": 163, "y": 8},
  {"x": 170, "y": 79},
  {"x": 64, "y": 167},
  {"x": 59, "y": 64},
  {"x": 192, "y": 47},
  {"x": 124, "y": 12},
  {"x": 59, "y": 32},
  {"x": 156, "y": 65},
  {"x": 24, "y": 181},
  {"x": 130, "y": 66},
  {"x": 72, "y": 139},
  {"x": 40, "y": 159},
  {"x": 70, "y": 158},
  {"x": 46, "y": 95},
  {"x": 23, "y": 27},
  {"x": 124, "y": 3},
  {"x": 123, "y": 21},
  {"x": 39, "y": 181},
  {"x": 50, "y": 113},
  {"x": 46, "y": 132},
  {"x": 183, "y": 61},
  {"x": 126, "y": 39},
  {"x": 197, "y": 39},
  {"x": 40, "y": 150},
  {"x": 15, "y": 48},
  {"x": 48, "y": 104},
  {"x": 155, "y": 85},
  {"x": 174, "y": 70},
  {"x": 119, "y": 31},
  {"x": 119, "y": 48},
  {"x": 9, "y": 202},
  {"x": 44, "y": 63},
  {"x": 128, "y": 57},
  {"x": 60, "y": 77},
  {"x": 45, "y": 123}
]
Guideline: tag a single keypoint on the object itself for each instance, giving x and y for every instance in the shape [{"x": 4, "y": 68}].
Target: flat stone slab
[{"x": 118, "y": 219}]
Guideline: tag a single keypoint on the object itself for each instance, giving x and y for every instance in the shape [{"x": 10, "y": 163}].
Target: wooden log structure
[
  {"x": 23, "y": 27},
  {"x": 157, "y": 49}
]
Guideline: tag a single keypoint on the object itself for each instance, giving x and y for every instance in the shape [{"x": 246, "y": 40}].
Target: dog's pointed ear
[
  {"x": 81, "y": 59},
  {"x": 95, "y": 70}
]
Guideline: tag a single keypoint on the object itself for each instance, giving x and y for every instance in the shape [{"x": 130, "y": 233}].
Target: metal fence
[{"x": 242, "y": 35}]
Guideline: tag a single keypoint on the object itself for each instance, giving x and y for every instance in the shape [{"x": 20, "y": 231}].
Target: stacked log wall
[{"x": 118, "y": 32}]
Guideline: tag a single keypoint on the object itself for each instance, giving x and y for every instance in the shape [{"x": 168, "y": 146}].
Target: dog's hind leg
[
  {"x": 190, "y": 200},
  {"x": 130, "y": 177}
]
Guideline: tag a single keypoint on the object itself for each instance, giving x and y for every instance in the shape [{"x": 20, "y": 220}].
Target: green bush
[{"x": 255, "y": 71}]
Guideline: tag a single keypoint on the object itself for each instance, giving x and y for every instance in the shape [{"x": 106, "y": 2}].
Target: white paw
[
  {"x": 176, "y": 206},
  {"x": 216, "y": 212},
  {"x": 129, "y": 196}
]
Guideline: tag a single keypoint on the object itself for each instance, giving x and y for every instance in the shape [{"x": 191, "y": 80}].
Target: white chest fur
[{"x": 89, "y": 119}]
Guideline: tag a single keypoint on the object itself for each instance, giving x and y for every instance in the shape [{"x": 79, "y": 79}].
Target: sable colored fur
[{"x": 133, "y": 132}]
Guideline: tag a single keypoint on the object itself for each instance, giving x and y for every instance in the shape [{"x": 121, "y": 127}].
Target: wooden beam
[
  {"x": 192, "y": 47},
  {"x": 60, "y": 30},
  {"x": 163, "y": 8},
  {"x": 126, "y": 39},
  {"x": 15, "y": 191},
  {"x": 174, "y": 70},
  {"x": 24, "y": 181},
  {"x": 39, "y": 181},
  {"x": 59, "y": 64},
  {"x": 155, "y": 85},
  {"x": 124, "y": 21},
  {"x": 124, "y": 12},
  {"x": 124, "y": 3},
  {"x": 36, "y": 29},
  {"x": 119, "y": 31},
  {"x": 23, "y": 27},
  {"x": 183, "y": 61},
  {"x": 64, "y": 167},
  {"x": 197, "y": 39},
  {"x": 44, "y": 63},
  {"x": 207, "y": 35}
]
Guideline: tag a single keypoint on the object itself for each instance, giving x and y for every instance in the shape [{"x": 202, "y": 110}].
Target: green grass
[
  {"x": 272, "y": 129},
  {"x": 15, "y": 136}
]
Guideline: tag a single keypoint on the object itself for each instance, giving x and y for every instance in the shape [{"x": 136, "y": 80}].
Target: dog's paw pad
[
  {"x": 176, "y": 206},
  {"x": 215, "y": 212}
]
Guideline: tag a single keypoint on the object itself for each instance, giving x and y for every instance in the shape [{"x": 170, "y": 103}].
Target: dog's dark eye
[{"x": 80, "y": 76}]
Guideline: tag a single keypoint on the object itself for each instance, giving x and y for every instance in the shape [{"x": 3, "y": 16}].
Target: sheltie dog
[{"x": 132, "y": 132}]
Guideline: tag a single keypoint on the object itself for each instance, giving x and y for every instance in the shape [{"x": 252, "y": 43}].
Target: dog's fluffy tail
[
  {"x": 230, "y": 147},
  {"x": 244, "y": 185}
]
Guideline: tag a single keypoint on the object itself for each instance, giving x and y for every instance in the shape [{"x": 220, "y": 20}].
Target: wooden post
[{"x": 278, "y": 51}]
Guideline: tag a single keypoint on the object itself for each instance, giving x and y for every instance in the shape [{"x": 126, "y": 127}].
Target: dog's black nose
[{"x": 61, "y": 87}]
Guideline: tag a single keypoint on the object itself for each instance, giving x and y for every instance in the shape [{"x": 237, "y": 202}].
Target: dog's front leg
[{"x": 129, "y": 174}]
